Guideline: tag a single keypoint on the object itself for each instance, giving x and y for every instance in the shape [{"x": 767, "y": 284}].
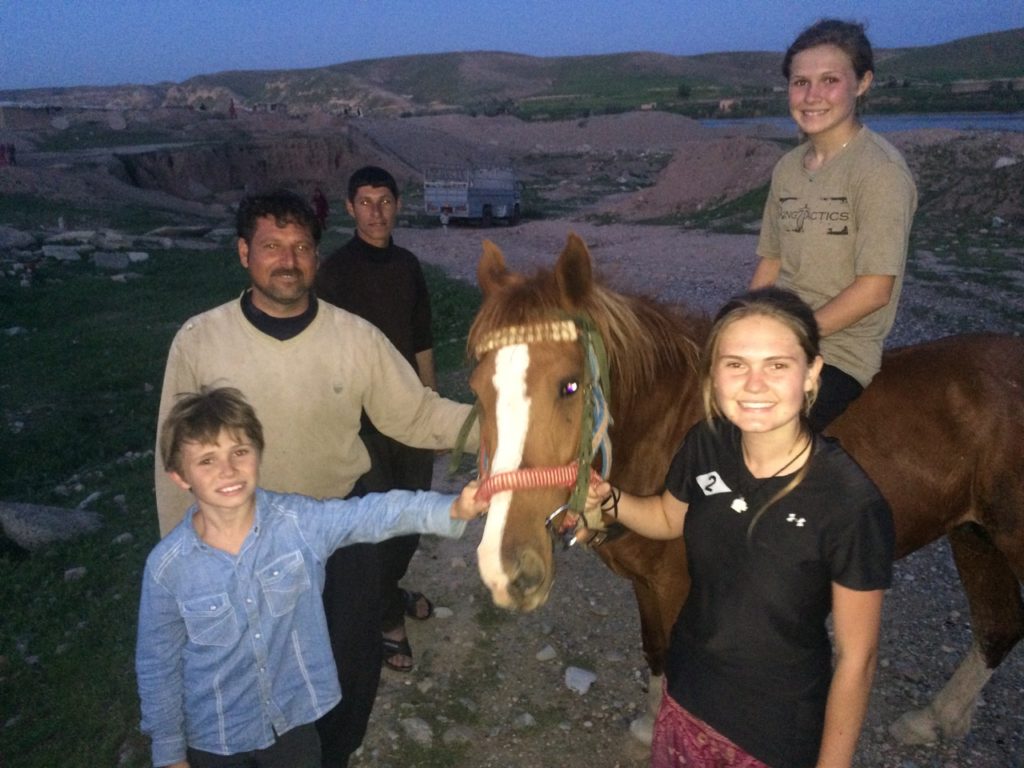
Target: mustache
[{"x": 285, "y": 272}]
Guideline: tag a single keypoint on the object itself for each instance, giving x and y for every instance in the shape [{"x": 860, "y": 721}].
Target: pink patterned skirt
[{"x": 680, "y": 739}]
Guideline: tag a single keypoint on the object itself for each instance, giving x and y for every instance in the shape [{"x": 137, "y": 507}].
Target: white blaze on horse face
[{"x": 512, "y": 414}]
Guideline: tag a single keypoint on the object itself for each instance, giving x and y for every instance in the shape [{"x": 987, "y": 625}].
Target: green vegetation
[
  {"x": 95, "y": 134},
  {"x": 29, "y": 212},
  {"x": 982, "y": 57},
  {"x": 733, "y": 216},
  {"x": 80, "y": 396}
]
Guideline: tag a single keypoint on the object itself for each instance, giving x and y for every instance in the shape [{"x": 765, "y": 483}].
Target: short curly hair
[{"x": 286, "y": 207}]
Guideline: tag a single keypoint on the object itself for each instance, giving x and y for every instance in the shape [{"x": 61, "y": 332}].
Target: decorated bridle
[{"x": 595, "y": 423}]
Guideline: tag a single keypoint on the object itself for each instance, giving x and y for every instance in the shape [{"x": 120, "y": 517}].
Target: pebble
[
  {"x": 547, "y": 653},
  {"x": 418, "y": 730},
  {"x": 579, "y": 680}
]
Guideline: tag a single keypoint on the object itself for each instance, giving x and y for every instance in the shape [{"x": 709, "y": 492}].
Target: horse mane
[{"x": 643, "y": 339}]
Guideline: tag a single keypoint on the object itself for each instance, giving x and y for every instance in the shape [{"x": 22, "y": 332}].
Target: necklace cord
[{"x": 783, "y": 491}]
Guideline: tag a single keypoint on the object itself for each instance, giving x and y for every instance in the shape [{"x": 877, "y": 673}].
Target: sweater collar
[{"x": 280, "y": 328}]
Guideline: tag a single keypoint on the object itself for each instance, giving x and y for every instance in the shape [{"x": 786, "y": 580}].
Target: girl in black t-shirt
[{"x": 781, "y": 528}]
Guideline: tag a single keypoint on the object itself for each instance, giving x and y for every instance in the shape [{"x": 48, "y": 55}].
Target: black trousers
[
  {"x": 395, "y": 466},
  {"x": 357, "y": 579},
  {"x": 352, "y": 607},
  {"x": 838, "y": 389}
]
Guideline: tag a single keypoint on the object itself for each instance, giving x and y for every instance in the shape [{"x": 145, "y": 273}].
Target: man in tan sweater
[{"x": 309, "y": 369}]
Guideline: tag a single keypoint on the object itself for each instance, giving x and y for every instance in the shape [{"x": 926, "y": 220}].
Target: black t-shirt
[{"x": 750, "y": 653}]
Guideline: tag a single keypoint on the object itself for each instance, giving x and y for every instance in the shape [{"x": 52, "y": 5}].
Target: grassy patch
[
  {"x": 29, "y": 212},
  {"x": 727, "y": 217},
  {"x": 92, "y": 135}
]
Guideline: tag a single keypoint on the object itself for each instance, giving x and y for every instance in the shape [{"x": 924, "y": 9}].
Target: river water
[{"x": 960, "y": 121}]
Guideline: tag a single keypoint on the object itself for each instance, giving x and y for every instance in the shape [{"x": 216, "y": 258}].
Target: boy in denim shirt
[{"x": 233, "y": 657}]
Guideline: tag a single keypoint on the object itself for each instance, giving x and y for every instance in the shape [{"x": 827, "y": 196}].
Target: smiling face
[
  {"x": 281, "y": 261},
  {"x": 760, "y": 375},
  {"x": 375, "y": 210},
  {"x": 222, "y": 475},
  {"x": 823, "y": 93}
]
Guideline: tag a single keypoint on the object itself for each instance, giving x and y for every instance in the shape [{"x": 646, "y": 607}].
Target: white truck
[{"x": 481, "y": 194}]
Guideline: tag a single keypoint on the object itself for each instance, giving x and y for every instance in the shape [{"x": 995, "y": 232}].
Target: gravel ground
[{"x": 489, "y": 687}]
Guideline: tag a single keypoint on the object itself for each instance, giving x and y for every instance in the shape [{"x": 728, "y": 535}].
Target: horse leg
[
  {"x": 655, "y": 626},
  {"x": 997, "y": 622},
  {"x": 642, "y": 727}
]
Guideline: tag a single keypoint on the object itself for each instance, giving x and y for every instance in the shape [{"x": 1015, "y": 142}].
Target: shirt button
[{"x": 257, "y": 635}]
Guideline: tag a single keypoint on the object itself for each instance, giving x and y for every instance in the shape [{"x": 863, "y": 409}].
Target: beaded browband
[{"x": 555, "y": 330}]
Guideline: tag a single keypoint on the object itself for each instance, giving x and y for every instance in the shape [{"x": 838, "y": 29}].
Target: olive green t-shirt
[{"x": 851, "y": 217}]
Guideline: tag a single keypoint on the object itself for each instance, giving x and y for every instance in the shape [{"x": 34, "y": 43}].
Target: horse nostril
[{"x": 532, "y": 581}]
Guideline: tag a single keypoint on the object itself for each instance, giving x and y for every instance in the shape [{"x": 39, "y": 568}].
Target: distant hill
[
  {"x": 554, "y": 87},
  {"x": 996, "y": 55}
]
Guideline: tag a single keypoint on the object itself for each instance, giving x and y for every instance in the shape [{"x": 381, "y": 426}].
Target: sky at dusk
[{"x": 46, "y": 43}]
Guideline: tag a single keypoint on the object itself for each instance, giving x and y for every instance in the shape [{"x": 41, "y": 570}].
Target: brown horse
[{"x": 940, "y": 430}]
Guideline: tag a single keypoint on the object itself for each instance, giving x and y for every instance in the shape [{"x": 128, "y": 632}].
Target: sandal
[
  {"x": 414, "y": 602},
  {"x": 396, "y": 648}
]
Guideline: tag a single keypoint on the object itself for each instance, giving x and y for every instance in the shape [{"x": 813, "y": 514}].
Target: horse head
[
  {"x": 557, "y": 354},
  {"x": 529, "y": 380}
]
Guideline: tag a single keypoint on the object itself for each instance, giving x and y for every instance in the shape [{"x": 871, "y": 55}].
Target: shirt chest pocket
[
  {"x": 283, "y": 581},
  {"x": 210, "y": 620}
]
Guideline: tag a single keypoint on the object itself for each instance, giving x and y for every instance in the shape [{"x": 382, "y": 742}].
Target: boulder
[
  {"x": 62, "y": 252},
  {"x": 179, "y": 231},
  {"x": 114, "y": 260},
  {"x": 34, "y": 526},
  {"x": 72, "y": 236},
  {"x": 11, "y": 238}
]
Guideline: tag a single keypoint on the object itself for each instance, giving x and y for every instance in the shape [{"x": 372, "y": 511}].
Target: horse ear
[
  {"x": 491, "y": 272},
  {"x": 574, "y": 271}
]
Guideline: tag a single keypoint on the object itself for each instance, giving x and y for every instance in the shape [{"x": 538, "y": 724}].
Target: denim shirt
[{"x": 234, "y": 648}]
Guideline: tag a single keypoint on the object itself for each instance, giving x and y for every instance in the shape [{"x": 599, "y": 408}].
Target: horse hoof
[
  {"x": 642, "y": 729},
  {"x": 957, "y": 729},
  {"x": 915, "y": 728}
]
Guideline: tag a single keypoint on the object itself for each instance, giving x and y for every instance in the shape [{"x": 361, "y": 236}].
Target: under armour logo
[{"x": 798, "y": 521}]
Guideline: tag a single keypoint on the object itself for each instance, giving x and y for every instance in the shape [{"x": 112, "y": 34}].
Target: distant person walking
[
  {"x": 320, "y": 207},
  {"x": 836, "y": 224}
]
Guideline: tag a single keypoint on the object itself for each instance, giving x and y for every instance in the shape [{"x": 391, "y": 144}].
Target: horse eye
[{"x": 569, "y": 388}]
